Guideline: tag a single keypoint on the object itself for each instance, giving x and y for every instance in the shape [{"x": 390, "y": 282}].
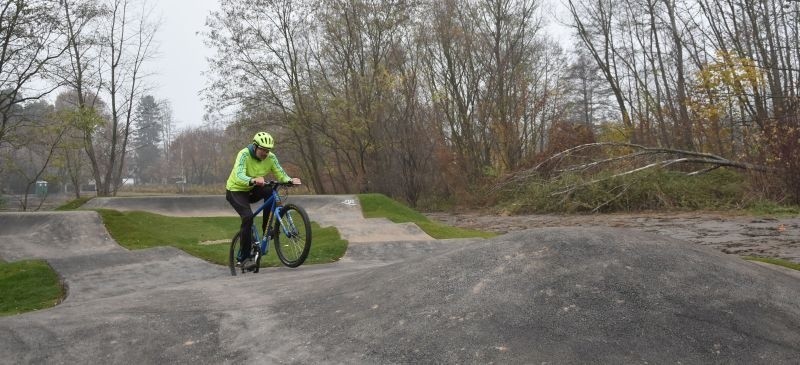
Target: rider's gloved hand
[{"x": 258, "y": 181}]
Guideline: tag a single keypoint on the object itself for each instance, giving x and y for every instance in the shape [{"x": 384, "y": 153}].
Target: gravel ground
[{"x": 731, "y": 234}]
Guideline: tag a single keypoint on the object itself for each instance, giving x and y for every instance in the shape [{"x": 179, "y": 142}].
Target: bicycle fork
[{"x": 287, "y": 225}]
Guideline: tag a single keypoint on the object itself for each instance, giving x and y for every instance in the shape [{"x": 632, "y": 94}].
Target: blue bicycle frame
[{"x": 274, "y": 205}]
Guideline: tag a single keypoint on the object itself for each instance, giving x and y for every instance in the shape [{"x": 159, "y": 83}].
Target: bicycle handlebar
[{"x": 278, "y": 183}]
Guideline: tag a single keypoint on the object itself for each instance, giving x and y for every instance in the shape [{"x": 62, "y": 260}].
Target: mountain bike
[{"x": 287, "y": 224}]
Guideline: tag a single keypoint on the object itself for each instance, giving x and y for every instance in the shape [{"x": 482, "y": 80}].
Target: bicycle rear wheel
[
  {"x": 292, "y": 235},
  {"x": 234, "y": 255}
]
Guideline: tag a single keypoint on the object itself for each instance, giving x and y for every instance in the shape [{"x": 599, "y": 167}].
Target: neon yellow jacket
[{"x": 247, "y": 166}]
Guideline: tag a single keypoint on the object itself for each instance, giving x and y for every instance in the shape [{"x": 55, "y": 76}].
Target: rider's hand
[
  {"x": 258, "y": 181},
  {"x": 296, "y": 181}
]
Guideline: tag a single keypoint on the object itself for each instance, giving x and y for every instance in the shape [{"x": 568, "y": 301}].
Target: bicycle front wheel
[{"x": 292, "y": 235}]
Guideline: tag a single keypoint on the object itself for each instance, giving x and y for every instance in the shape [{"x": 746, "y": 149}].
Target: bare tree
[
  {"x": 204, "y": 163},
  {"x": 260, "y": 64},
  {"x": 29, "y": 45},
  {"x": 108, "y": 44},
  {"x": 82, "y": 72},
  {"x": 72, "y": 149},
  {"x": 126, "y": 56},
  {"x": 593, "y": 22},
  {"x": 454, "y": 79},
  {"x": 360, "y": 61},
  {"x": 677, "y": 49},
  {"x": 508, "y": 37}
]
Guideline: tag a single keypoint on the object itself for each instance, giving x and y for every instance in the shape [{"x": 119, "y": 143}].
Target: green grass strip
[
  {"x": 208, "y": 238},
  {"x": 27, "y": 286},
  {"x": 779, "y": 262},
  {"x": 381, "y": 206},
  {"x": 772, "y": 209},
  {"x": 74, "y": 204}
]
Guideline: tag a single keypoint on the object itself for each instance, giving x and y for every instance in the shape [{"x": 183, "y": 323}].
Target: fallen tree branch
[
  {"x": 670, "y": 157},
  {"x": 702, "y": 157}
]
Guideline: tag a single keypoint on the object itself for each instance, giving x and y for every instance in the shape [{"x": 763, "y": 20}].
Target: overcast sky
[{"x": 182, "y": 57}]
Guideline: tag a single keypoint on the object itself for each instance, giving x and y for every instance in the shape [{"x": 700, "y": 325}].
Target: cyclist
[{"x": 246, "y": 185}]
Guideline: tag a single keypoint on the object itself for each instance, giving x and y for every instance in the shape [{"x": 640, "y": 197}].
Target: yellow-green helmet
[{"x": 263, "y": 140}]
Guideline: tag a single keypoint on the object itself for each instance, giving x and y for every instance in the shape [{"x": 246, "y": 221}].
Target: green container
[{"x": 41, "y": 188}]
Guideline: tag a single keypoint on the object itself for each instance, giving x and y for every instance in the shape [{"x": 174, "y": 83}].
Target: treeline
[
  {"x": 421, "y": 98},
  {"x": 408, "y": 98},
  {"x": 92, "y": 54},
  {"x": 418, "y": 99}
]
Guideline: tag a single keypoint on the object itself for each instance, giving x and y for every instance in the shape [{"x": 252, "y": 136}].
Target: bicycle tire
[
  {"x": 292, "y": 249},
  {"x": 234, "y": 253}
]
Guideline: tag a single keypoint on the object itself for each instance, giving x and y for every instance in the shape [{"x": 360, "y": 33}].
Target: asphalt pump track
[{"x": 547, "y": 295}]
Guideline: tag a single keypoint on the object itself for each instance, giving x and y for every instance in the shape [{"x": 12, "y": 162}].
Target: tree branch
[{"x": 670, "y": 157}]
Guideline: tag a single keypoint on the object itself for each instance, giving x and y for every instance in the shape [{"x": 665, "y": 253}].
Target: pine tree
[{"x": 147, "y": 140}]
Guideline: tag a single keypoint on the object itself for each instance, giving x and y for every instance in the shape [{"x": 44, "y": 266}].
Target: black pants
[{"x": 241, "y": 200}]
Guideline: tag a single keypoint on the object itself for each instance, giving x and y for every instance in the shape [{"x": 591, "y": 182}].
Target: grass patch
[
  {"x": 74, "y": 204},
  {"x": 767, "y": 208},
  {"x": 381, "y": 206},
  {"x": 27, "y": 286},
  {"x": 326, "y": 246},
  {"x": 139, "y": 230},
  {"x": 779, "y": 262}
]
